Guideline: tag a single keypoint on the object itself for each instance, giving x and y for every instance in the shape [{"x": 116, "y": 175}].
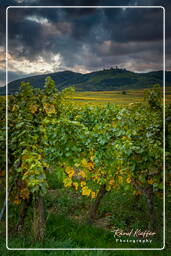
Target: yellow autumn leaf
[
  {"x": 67, "y": 182},
  {"x": 93, "y": 194},
  {"x": 86, "y": 191},
  {"x": 111, "y": 182},
  {"x": 70, "y": 171},
  {"x": 83, "y": 183},
  {"x": 49, "y": 108},
  {"x": 90, "y": 165},
  {"x": 14, "y": 107},
  {"x": 45, "y": 165},
  {"x": 75, "y": 184},
  {"x": 150, "y": 181},
  {"x": 137, "y": 193},
  {"x": 82, "y": 173},
  {"x": 84, "y": 162},
  {"x": 95, "y": 177},
  {"x": 92, "y": 157},
  {"x": 128, "y": 180},
  {"x": 33, "y": 108}
]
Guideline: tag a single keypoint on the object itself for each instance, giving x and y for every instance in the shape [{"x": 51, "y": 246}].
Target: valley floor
[{"x": 117, "y": 97}]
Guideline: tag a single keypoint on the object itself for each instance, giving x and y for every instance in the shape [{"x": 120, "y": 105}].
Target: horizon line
[{"x": 98, "y": 70}]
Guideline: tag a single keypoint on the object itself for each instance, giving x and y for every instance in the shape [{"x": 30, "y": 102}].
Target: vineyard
[{"x": 77, "y": 172}]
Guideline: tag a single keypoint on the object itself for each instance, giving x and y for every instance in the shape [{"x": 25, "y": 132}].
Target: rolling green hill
[{"x": 103, "y": 80}]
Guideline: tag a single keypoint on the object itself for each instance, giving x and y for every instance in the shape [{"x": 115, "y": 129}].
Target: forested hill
[{"x": 103, "y": 80}]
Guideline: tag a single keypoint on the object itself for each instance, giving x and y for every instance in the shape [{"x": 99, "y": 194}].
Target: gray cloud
[{"x": 89, "y": 38}]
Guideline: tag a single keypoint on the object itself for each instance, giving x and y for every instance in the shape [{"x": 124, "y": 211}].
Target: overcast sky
[{"x": 83, "y": 40}]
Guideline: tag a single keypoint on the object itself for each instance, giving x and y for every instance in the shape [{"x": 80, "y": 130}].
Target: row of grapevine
[{"x": 97, "y": 148}]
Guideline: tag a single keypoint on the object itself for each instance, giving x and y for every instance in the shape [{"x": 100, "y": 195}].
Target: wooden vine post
[{"x": 39, "y": 222}]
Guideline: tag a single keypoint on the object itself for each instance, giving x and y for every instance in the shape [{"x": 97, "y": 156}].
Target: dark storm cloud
[
  {"x": 138, "y": 25},
  {"x": 87, "y": 26},
  {"x": 91, "y": 38},
  {"x": 24, "y": 39}
]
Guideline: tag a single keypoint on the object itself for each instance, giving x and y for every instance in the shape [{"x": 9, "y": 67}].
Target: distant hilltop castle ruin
[{"x": 116, "y": 69}]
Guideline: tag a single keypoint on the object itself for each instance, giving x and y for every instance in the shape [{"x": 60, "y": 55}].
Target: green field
[{"x": 117, "y": 97}]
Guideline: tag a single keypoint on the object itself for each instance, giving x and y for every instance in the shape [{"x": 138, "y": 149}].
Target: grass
[
  {"x": 66, "y": 225},
  {"x": 66, "y": 219},
  {"x": 117, "y": 97},
  {"x": 66, "y": 222}
]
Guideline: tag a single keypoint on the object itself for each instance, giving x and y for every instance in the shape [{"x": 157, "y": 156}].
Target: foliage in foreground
[{"x": 92, "y": 149}]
